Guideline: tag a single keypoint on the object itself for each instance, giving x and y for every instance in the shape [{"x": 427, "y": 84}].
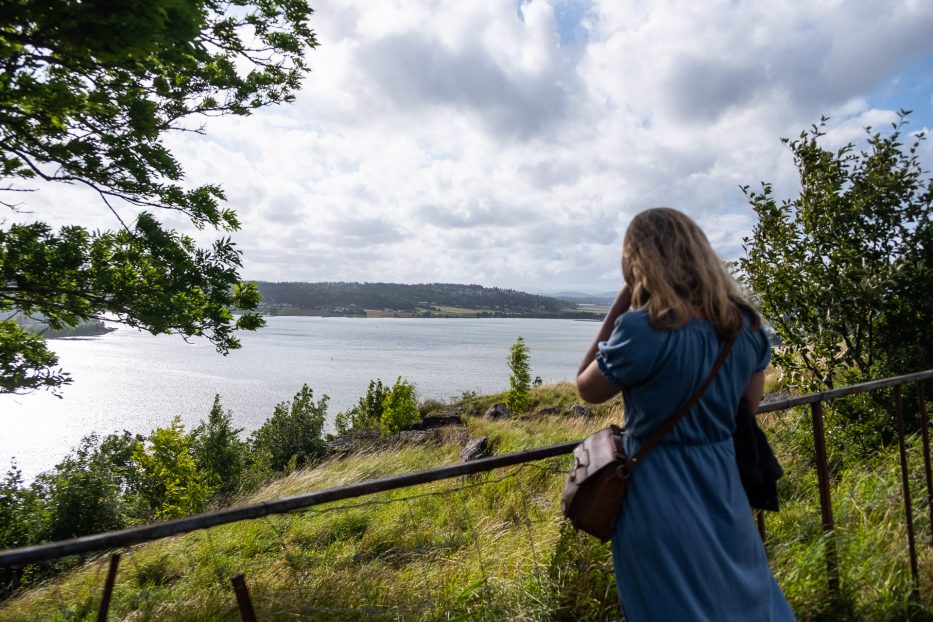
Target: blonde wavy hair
[{"x": 673, "y": 271}]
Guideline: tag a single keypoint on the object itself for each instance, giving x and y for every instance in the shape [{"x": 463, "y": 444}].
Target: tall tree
[
  {"x": 292, "y": 436},
  {"x": 518, "y": 397},
  {"x": 218, "y": 449},
  {"x": 89, "y": 91},
  {"x": 844, "y": 270}
]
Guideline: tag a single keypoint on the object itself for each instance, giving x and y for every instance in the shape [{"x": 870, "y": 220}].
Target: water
[{"x": 128, "y": 380}]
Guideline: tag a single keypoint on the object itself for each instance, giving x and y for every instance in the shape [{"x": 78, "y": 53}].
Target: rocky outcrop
[
  {"x": 498, "y": 411},
  {"x": 579, "y": 410},
  {"x": 431, "y": 422},
  {"x": 474, "y": 449}
]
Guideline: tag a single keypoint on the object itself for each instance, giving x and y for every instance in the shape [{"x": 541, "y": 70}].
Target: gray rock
[
  {"x": 413, "y": 437},
  {"x": 437, "y": 421},
  {"x": 580, "y": 410},
  {"x": 498, "y": 411},
  {"x": 352, "y": 442},
  {"x": 475, "y": 448}
]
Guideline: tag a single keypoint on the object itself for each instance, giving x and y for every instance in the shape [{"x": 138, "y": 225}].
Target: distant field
[
  {"x": 436, "y": 312},
  {"x": 381, "y": 313},
  {"x": 300, "y": 311},
  {"x": 457, "y": 311},
  {"x": 599, "y": 309}
]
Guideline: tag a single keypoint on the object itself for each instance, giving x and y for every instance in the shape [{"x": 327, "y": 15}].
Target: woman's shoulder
[
  {"x": 630, "y": 352},
  {"x": 756, "y": 337},
  {"x": 634, "y": 319}
]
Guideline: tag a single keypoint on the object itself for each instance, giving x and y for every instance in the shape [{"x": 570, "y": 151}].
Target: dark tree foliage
[
  {"x": 88, "y": 93},
  {"x": 82, "y": 493},
  {"x": 292, "y": 436},
  {"x": 21, "y": 516},
  {"x": 92, "y": 490},
  {"x": 844, "y": 271},
  {"x": 218, "y": 450}
]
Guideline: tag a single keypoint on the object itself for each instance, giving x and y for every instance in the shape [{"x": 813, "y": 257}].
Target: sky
[{"x": 510, "y": 143}]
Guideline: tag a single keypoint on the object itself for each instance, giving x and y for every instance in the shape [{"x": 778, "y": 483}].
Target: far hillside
[{"x": 421, "y": 300}]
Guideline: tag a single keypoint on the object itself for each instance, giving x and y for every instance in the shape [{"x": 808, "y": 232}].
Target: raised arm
[{"x": 592, "y": 385}]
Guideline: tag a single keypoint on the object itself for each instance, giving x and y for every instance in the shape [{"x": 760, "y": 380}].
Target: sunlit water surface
[{"x": 128, "y": 380}]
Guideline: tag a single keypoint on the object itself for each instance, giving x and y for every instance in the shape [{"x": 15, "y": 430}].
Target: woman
[{"x": 685, "y": 546}]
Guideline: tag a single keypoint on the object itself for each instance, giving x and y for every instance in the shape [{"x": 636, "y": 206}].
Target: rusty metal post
[
  {"x": 826, "y": 502},
  {"x": 925, "y": 429},
  {"x": 242, "y": 599},
  {"x": 108, "y": 588},
  {"x": 908, "y": 508}
]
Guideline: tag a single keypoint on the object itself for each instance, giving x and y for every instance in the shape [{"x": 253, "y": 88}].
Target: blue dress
[{"x": 686, "y": 546}]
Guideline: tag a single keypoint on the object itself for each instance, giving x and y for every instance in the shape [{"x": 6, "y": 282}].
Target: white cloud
[{"x": 442, "y": 140}]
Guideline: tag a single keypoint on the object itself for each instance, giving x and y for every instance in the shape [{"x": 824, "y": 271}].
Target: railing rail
[
  {"x": 852, "y": 389},
  {"x": 113, "y": 540}
]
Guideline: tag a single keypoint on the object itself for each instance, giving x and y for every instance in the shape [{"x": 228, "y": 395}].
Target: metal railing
[{"x": 123, "y": 538}]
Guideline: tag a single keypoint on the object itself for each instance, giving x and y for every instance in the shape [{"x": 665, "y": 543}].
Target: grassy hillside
[{"x": 487, "y": 547}]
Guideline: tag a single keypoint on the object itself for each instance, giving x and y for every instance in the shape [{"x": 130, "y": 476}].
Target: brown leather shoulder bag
[{"x": 595, "y": 489}]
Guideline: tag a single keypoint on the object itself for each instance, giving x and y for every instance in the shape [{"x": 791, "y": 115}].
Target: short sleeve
[
  {"x": 762, "y": 349},
  {"x": 629, "y": 355}
]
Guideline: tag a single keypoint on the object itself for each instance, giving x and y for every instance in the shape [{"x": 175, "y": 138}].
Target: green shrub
[
  {"x": 82, "y": 494},
  {"x": 19, "y": 520},
  {"x": 172, "y": 484},
  {"x": 399, "y": 408},
  {"x": 367, "y": 414},
  {"x": 21, "y": 517},
  {"x": 218, "y": 450},
  {"x": 293, "y": 434}
]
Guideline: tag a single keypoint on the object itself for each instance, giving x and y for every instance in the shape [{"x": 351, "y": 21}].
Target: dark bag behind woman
[{"x": 758, "y": 467}]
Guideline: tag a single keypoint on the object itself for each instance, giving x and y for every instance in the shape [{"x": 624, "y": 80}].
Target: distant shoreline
[
  {"x": 81, "y": 331},
  {"x": 470, "y": 314}
]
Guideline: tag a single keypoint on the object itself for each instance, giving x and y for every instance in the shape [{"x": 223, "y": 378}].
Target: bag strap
[{"x": 662, "y": 430}]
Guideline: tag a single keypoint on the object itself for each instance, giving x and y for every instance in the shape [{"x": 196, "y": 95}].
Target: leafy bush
[
  {"x": 517, "y": 399},
  {"x": 399, "y": 408},
  {"x": 171, "y": 483},
  {"x": 218, "y": 450},
  {"x": 82, "y": 494},
  {"x": 21, "y": 517},
  {"x": 292, "y": 435},
  {"x": 367, "y": 414}
]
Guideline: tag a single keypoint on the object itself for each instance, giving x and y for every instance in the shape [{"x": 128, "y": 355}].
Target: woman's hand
[{"x": 592, "y": 385}]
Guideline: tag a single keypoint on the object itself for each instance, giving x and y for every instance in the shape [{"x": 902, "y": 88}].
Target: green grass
[{"x": 491, "y": 547}]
